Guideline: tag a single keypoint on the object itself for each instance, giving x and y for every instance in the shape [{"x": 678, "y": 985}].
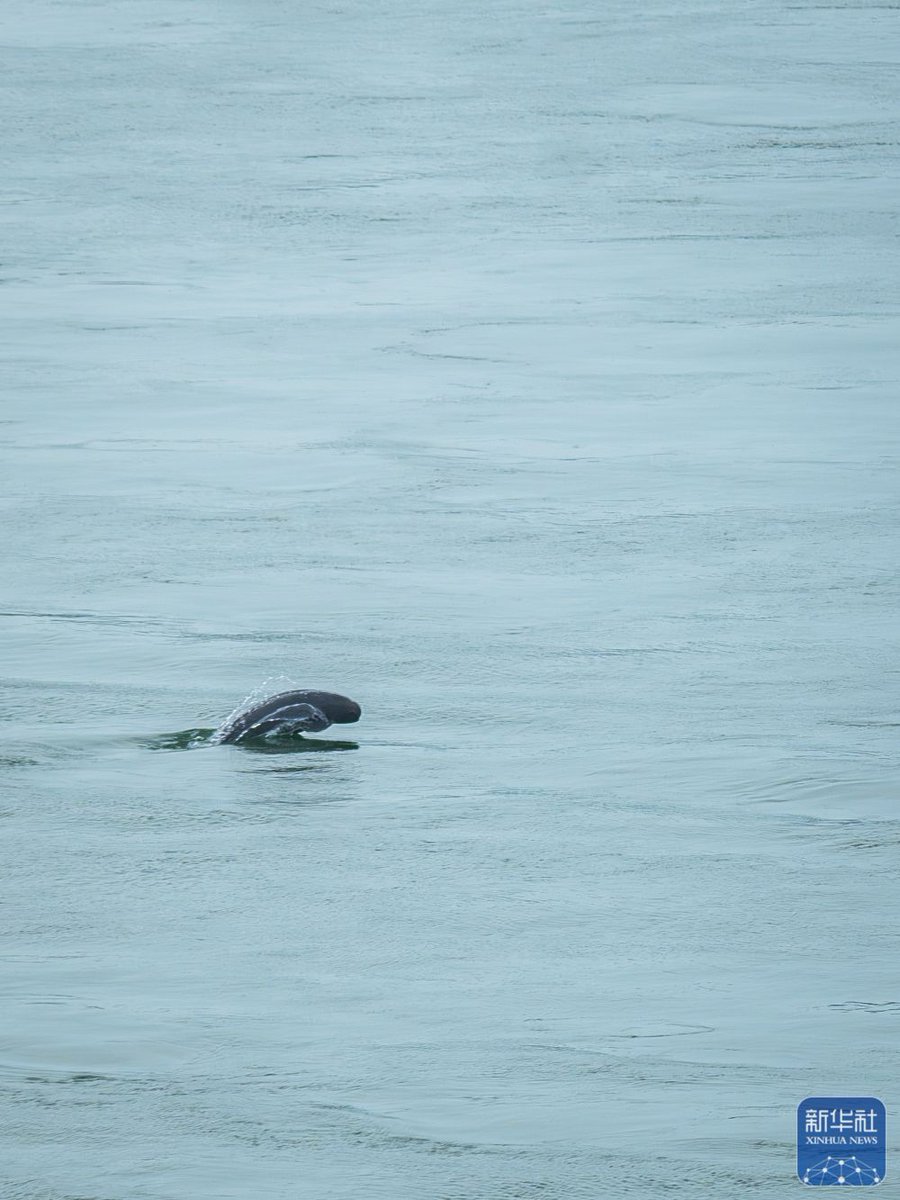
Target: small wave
[
  {"x": 869, "y": 1006},
  {"x": 183, "y": 739}
]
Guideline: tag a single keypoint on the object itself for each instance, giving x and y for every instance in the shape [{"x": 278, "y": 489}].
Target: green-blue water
[{"x": 530, "y": 375}]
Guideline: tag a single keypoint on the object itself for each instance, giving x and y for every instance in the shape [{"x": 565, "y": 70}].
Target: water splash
[{"x": 269, "y": 687}]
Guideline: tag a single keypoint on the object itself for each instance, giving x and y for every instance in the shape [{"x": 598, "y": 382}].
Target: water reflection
[
  {"x": 193, "y": 739},
  {"x": 294, "y": 744}
]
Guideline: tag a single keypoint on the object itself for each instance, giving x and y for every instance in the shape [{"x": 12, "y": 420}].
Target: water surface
[{"x": 529, "y": 374}]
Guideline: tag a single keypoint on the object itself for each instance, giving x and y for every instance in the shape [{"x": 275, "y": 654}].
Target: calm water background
[{"x": 528, "y": 372}]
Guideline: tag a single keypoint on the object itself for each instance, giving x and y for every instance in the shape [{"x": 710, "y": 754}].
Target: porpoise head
[{"x": 340, "y": 710}]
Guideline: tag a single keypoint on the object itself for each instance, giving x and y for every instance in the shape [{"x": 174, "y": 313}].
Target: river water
[{"x": 529, "y": 373}]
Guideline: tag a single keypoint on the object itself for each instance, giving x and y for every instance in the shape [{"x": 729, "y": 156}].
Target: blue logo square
[{"x": 841, "y": 1141}]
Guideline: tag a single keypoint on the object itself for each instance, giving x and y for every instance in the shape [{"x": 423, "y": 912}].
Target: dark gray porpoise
[{"x": 292, "y": 712}]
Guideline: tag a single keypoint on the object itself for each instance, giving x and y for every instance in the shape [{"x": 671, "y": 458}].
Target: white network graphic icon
[{"x": 848, "y": 1171}]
